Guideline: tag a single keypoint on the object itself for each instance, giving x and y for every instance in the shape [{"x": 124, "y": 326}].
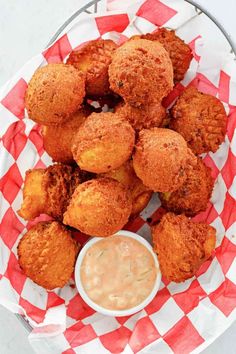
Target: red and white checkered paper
[{"x": 182, "y": 318}]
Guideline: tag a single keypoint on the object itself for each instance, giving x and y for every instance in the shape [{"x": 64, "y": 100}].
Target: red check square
[
  {"x": 229, "y": 170},
  {"x": 10, "y": 183},
  {"x": 10, "y": 222},
  {"x": 32, "y": 311},
  {"x": 54, "y": 300},
  {"x": 189, "y": 302},
  {"x": 58, "y": 52},
  {"x": 78, "y": 309},
  {"x": 15, "y": 139},
  {"x": 183, "y": 337},
  {"x": 14, "y": 101},
  {"x": 143, "y": 334},
  {"x": 231, "y": 124},
  {"x": 228, "y": 214},
  {"x": 14, "y": 274},
  {"x": 112, "y": 23},
  {"x": 226, "y": 254},
  {"x": 36, "y": 138},
  {"x": 79, "y": 334},
  {"x": 224, "y": 297},
  {"x": 69, "y": 351},
  {"x": 156, "y": 12},
  {"x": 224, "y": 84},
  {"x": 162, "y": 296},
  {"x": 116, "y": 340}
]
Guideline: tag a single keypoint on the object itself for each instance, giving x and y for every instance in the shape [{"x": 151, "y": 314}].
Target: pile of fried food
[{"x": 108, "y": 164}]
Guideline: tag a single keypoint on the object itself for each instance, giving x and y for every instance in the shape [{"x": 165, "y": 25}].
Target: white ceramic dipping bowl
[{"x": 100, "y": 309}]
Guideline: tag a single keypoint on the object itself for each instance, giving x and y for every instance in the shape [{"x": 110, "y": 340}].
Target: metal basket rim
[
  {"x": 93, "y": 2},
  {"x": 83, "y": 9}
]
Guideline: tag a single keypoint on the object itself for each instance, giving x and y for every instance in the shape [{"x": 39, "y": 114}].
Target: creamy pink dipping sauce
[{"x": 118, "y": 273}]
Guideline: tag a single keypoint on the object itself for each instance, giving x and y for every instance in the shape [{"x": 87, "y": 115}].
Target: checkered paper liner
[{"x": 182, "y": 318}]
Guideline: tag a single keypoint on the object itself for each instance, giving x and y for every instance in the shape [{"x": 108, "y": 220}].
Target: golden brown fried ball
[
  {"x": 94, "y": 59},
  {"x": 55, "y": 92},
  {"x": 99, "y": 207},
  {"x": 194, "y": 195},
  {"x": 140, "y": 194},
  {"x": 58, "y": 140},
  {"x": 141, "y": 72},
  {"x": 180, "y": 53},
  {"x": 160, "y": 158},
  {"x": 182, "y": 246},
  {"x": 200, "y": 119},
  {"x": 103, "y": 142},
  {"x": 48, "y": 191},
  {"x": 47, "y": 254},
  {"x": 143, "y": 117}
]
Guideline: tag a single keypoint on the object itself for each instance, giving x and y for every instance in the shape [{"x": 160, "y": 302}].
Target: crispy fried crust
[
  {"x": 180, "y": 53},
  {"x": 140, "y": 194},
  {"x": 103, "y": 142},
  {"x": 194, "y": 195},
  {"x": 54, "y": 93},
  {"x": 99, "y": 207},
  {"x": 93, "y": 59},
  {"x": 58, "y": 140},
  {"x": 47, "y": 254},
  {"x": 182, "y": 246},
  {"x": 143, "y": 117},
  {"x": 201, "y": 119},
  {"x": 160, "y": 159},
  {"x": 141, "y": 72},
  {"x": 48, "y": 191}
]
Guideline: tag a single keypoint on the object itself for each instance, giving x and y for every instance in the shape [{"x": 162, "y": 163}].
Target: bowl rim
[{"x": 100, "y": 309}]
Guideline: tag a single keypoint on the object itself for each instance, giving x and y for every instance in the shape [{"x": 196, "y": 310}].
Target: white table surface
[{"x": 25, "y": 28}]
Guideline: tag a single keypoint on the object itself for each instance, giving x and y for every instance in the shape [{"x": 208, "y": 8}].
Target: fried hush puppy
[
  {"x": 57, "y": 141},
  {"x": 140, "y": 194},
  {"x": 182, "y": 246},
  {"x": 141, "y": 72},
  {"x": 180, "y": 53},
  {"x": 193, "y": 196},
  {"x": 143, "y": 117},
  {"x": 48, "y": 191},
  {"x": 47, "y": 254},
  {"x": 94, "y": 59},
  {"x": 103, "y": 142},
  {"x": 55, "y": 92},
  {"x": 201, "y": 119},
  {"x": 160, "y": 158},
  {"x": 99, "y": 207}
]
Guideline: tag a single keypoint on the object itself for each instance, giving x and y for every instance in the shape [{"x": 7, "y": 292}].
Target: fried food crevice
[
  {"x": 93, "y": 59},
  {"x": 143, "y": 117},
  {"x": 180, "y": 53},
  {"x": 140, "y": 194},
  {"x": 57, "y": 141},
  {"x": 48, "y": 191}
]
